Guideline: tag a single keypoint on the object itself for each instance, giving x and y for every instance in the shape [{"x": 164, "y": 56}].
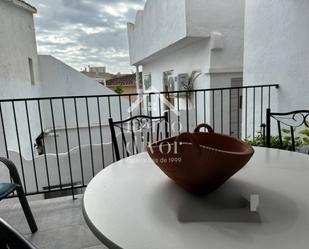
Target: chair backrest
[
  {"x": 149, "y": 128},
  {"x": 11, "y": 239},
  {"x": 287, "y": 123}
]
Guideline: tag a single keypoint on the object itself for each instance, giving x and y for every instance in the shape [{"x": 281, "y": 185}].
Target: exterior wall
[
  {"x": 208, "y": 38},
  {"x": 17, "y": 44},
  {"x": 164, "y": 25},
  {"x": 58, "y": 79},
  {"x": 82, "y": 166},
  {"x": 193, "y": 57},
  {"x": 185, "y": 60},
  {"x": 276, "y": 51},
  {"x": 159, "y": 25},
  {"x": 196, "y": 57},
  {"x": 52, "y": 78},
  {"x": 223, "y": 22},
  {"x": 206, "y": 16}
]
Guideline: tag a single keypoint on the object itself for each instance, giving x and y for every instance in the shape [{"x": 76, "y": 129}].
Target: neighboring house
[
  {"x": 19, "y": 66},
  {"x": 126, "y": 82},
  {"x": 24, "y": 73},
  {"x": 277, "y": 52},
  {"x": 170, "y": 39},
  {"x": 98, "y": 73}
]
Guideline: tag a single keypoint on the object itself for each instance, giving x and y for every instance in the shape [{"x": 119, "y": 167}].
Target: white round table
[{"x": 132, "y": 204}]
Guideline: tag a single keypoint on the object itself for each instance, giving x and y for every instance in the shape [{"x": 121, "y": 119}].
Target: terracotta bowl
[{"x": 200, "y": 162}]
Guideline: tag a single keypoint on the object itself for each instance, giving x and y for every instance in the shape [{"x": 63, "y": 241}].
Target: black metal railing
[{"x": 61, "y": 143}]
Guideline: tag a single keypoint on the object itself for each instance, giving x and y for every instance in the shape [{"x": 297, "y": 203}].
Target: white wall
[
  {"x": 211, "y": 41},
  {"x": 185, "y": 60},
  {"x": 17, "y": 44},
  {"x": 52, "y": 78},
  {"x": 59, "y": 79},
  {"x": 56, "y": 79},
  {"x": 276, "y": 51},
  {"x": 81, "y": 165},
  {"x": 166, "y": 24},
  {"x": 206, "y": 16},
  {"x": 160, "y": 24},
  {"x": 196, "y": 57},
  {"x": 223, "y": 22}
]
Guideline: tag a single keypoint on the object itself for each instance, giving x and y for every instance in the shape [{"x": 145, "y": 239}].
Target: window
[{"x": 31, "y": 71}]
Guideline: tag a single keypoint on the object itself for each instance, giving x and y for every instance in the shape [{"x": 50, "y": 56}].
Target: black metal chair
[
  {"x": 11, "y": 239},
  {"x": 7, "y": 188},
  {"x": 292, "y": 120},
  {"x": 136, "y": 124}
]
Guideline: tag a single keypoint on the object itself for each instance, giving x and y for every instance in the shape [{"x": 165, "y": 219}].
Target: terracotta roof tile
[{"x": 123, "y": 80}]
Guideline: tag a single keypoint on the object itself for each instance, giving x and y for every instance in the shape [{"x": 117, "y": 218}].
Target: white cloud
[{"x": 83, "y": 32}]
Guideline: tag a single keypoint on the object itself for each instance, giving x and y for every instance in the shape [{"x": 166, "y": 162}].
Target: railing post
[
  {"x": 114, "y": 139},
  {"x": 150, "y": 114},
  {"x": 166, "y": 124},
  {"x": 268, "y": 128},
  {"x": 187, "y": 111},
  {"x": 68, "y": 148},
  {"x": 263, "y": 127}
]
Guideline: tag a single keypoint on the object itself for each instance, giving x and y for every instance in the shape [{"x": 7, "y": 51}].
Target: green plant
[
  {"x": 301, "y": 140},
  {"x": 288, "y": 139},
  {"x": 305, "y": 133},
  {"x": 119, "y": 89}
]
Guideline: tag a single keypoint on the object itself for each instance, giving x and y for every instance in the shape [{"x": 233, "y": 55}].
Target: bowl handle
[
  {"x": 209, "y": 128},
  {"x": 192, "y": 139}
]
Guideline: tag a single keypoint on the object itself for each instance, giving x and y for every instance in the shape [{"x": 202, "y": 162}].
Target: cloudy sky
[{"x": 86, "y": 32}]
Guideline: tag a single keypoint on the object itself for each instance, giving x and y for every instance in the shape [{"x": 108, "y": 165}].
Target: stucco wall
[
  {"x": 165, "y": 24},
  {"x": 276, "y": 51},
  {"x": 213, "y": 44},
  {"x": 160, "y": 24},
  {"x": 59, "y": 79},
  {"x": 192, "y": 57},
  {"x": 17, "y": 44},
  {"x": 185, "y": 60},
  {"x": 225, "y": 17},
  {"x": 196, "y": 57}
]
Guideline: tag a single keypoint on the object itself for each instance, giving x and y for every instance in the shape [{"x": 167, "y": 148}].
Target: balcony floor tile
[{"x": 60, "y": 222}]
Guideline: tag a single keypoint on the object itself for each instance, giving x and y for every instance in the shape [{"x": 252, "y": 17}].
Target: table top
[{"x": 132, "y": 204}]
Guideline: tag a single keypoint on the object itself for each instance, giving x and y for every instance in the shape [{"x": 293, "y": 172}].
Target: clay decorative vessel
[{"x": 200, "y": 162}]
